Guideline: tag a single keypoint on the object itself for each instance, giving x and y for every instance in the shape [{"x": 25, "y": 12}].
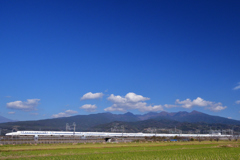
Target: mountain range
[
  {"x": 191, "y": 117},
  {"x": 105, "y": 121}
]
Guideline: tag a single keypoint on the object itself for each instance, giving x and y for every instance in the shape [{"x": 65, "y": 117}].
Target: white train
[{"x": 105, "y": 134}]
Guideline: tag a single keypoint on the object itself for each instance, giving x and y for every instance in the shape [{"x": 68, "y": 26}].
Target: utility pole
[
  {"x": 122, "y": 129},
  {"x": 74, "y": 126},
  {"x": 67, "y": 126}
]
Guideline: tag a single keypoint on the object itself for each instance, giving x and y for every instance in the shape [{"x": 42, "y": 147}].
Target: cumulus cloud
[
  {"x": 112, "y": 109},
  {"x": 150, "y": 108},
  {"x": 29, "y": 105},
  {"x": 131, "y": 101},
  {"x": 237, "y": 102},
  {"x": 216, "y": 107},
  {"x": 196, "y": 102},
  {"x": 89, "y": 107},
  {"x": 67, "y": 113},
  {"x": 188, "y": 103},
  {"x": 170, "y": 105},
  {"x": 237, "y": 87},
  {"x": 130, "y": 98},
  {"x": 91, "y": 95},
  {"x": 11, "y": 112},
  {"x": 71, "y": 112}
]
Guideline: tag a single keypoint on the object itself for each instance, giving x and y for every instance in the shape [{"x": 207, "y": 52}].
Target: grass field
[{"x": 136, "y": 151}]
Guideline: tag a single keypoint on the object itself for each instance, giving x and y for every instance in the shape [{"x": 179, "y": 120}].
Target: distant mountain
[
  {"x": 193, "y": 117},
  {"x": 4, "y": 120},
  {"x": 148, "y": 115},
  {"x": 105, "y": 121},
  {"x": 137, "y": 126},
  {"x": 142, "y": 126},
  {"x": 84, "y": 122}
]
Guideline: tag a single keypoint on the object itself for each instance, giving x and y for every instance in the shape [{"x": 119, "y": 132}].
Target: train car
[{"x": 106, "y": 134}]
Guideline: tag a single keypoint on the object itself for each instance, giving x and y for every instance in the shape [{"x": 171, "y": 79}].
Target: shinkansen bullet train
[{"x": 105, "y": 134}]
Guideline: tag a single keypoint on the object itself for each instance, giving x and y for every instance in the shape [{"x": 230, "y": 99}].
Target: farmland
[{"x": 138, "y": 150}]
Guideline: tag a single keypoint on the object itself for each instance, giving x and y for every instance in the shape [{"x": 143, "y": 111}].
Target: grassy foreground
[{"x": 156, "y": 150}]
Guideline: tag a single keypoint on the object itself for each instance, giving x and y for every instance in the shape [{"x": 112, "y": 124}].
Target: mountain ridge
[
  {"x": 89, "y": 122},
  {"x": 4, "y": 119},
  {"x": 191, "y": 117}
]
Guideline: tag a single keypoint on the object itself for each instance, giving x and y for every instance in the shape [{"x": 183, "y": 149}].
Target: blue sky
[{"x": 62, "y": 58}]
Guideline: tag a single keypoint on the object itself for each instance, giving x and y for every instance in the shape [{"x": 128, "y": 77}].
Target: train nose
[{"x": 8, "y": 134}]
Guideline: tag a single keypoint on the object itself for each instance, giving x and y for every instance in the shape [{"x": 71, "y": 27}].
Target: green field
[{"x": 151, "y": 150}]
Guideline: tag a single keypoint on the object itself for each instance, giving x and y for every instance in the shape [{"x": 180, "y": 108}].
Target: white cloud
[
  {"x": 89, "y": 107},
  {"x": 150, "y": 108},
  {"x": 11, "y": 112},
  {"x": 71, "y": 112},
  {"x": 129, "y": 98},
  {"x": 132, "y": 97},
  {"x": 185, "y": 104},
  {"x": 198, "y": 102},
  {"x": 112, "y": 109},
  {"x": 29, "y": 105},
  {"x": 131, "y": 101},
  {"x": 237, "y": 87},
  {"x": 170, "y": 105},
  {"x": 237, "y": 102},
  {"x": 67, "y": 113},
  {"x": 216, "y": 107},
  {"x": 91, "y": 95},
  {"x": 117, "y": 99}
]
